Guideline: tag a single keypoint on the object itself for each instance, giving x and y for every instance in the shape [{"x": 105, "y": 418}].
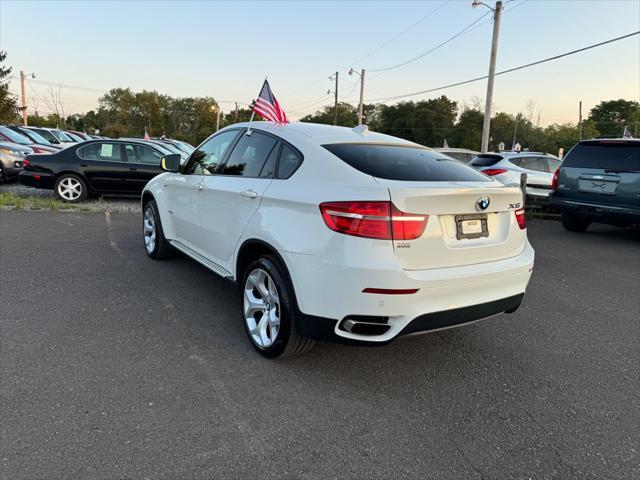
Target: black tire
[
  {"x": 70, "y": 177},
  {"x": 574, "y": 223},
  {"x": 161, "y": 247},
  {"x": 289, "y": 342}
]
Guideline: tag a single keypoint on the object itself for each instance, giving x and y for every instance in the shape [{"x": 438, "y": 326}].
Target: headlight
[{"x": 16, "y": 153}]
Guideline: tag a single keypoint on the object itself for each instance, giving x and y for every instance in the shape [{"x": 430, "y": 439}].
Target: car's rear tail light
[
  {"x": 521, "y": 218},
  {"x": 494, "y": 171},
  {"x": 407, "y": 226},
  {"x": 381, "y": 220},
  {"x": 554, "y": 181},
  {"x": 26, "y": 162}
]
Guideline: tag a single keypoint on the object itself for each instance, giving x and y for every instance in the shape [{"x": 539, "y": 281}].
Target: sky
[{"x": 225, "y": 50}]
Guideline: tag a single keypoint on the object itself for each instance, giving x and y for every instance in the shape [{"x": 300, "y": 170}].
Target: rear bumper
[
  {"x": 11, "y": 166},
  {"x": 36, "y": 180},
  {"x": 329, "y": 295},
  {"x": 613, "y": 214}
]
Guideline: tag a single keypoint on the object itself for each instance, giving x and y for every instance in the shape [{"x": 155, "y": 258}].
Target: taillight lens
[
  {"x": 26, "y": 162},
  {"x": 380, "y": 220},
  {"x": 521, "y": 218},
  {"x": 554, "y": 181},
  {"x": 494, "y": 171}
]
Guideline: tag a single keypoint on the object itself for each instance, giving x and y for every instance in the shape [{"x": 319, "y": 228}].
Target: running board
[{"x": 201, "y": 259}]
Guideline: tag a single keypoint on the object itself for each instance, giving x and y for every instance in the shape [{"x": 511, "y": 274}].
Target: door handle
[
  {"x": 249, "y": 194},
  {"x": 200, "y": 187},
  {"x": 133, "y": 168}
]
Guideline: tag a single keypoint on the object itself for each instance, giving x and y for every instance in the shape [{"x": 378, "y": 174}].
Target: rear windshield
[
  {"x": 404, "y": 163},
  {"x": 485, "y": 160},
  {"x": 603, "y": 155}
]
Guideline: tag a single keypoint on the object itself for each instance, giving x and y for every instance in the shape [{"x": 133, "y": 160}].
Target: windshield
[
  {"x": 392, "y": 162},
  {"x": 36, "y": 137},
  {"x": 46, "y": 134},
  {"x": 612, "y": 155},
  {"x": 14, "y": 136},
  {"x": 61, "y": 136}
]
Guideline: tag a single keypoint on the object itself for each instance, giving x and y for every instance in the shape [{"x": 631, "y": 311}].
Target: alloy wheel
[
  {"x": 149, "y": 226},
  {"x": 261, "y": 304},
  {"x": 70, "y": 188}
]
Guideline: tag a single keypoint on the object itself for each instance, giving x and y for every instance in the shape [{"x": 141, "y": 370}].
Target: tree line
[{"x": 124, "y": 113}]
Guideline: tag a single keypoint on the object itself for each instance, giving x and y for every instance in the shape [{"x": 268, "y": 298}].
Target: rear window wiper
[{"x": 621, "y": 170}]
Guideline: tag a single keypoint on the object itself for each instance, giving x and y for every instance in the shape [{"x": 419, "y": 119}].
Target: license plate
[
  {"x": 471, "y": 226},
  {"x": 602, "y": 186}
]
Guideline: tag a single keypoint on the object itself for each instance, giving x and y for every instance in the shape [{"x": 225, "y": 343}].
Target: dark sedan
[{"x": 101, "y": 167}]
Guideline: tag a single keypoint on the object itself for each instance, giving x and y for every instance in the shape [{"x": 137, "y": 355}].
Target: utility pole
[
  {"x": 218, "y": 119},
  {"x": 361, "y": 108},
  {"x": 515, "y": 132},
  {"x": 235, "y": 114},
  {"x": 486, "y": 126},
  {"x": 24, "y": 98},
  {"x": 335, "y": 116},
  {"x": 580, "y": 118}
]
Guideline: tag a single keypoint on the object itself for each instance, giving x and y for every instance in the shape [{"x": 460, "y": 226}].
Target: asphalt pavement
[{"x": 115, "y": 366}]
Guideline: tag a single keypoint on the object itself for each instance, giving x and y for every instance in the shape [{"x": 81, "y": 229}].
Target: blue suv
[{"x": 599, "y": 181}]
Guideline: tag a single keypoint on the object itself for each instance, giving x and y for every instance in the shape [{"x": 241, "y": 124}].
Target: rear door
[
  {"x": 103, "y": 166},
  {"x": 233, "y": 194},
  {"x": 602, "y": 172},
  {"x": 143, "y": 163},
  {"x": 538, "y": 176},
  {"x": 471, "y": 218}
]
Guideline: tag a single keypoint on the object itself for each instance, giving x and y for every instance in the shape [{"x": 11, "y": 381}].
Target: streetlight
[
  {"x": 361, "y": 107},
  {"x": 497, "y": 11}
]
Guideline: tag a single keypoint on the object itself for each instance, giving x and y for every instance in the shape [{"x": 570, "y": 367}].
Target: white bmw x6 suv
[{"x": 341, "y": 234}]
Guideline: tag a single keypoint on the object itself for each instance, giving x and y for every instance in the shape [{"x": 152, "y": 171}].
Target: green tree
[
  {"x": 347, "y": 115},
  {"x": 467, "y": 133},
  {"x": 8, "y": 103},
  {"x": 612, "y": 116}
]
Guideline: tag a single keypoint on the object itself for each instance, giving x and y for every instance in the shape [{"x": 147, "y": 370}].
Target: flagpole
[{"x": 250, "y": 120}]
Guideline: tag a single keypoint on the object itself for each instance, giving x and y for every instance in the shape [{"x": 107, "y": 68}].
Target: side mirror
[{"x": 171, "y": 163}]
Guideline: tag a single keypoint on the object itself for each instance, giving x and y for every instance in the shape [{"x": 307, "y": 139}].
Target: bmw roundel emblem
[{"x": 483, "y": 203}]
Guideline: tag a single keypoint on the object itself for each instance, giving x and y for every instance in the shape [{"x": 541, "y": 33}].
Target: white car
[
  {"x": 341, "y": 234},
  {"x": 53, "y": 135},
  {"x": 507, "y": 167}
]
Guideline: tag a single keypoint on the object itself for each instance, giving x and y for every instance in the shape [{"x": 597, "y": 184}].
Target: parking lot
[{"x": 117, "y": 366}]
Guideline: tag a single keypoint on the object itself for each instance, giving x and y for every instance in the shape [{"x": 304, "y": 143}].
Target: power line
[
  {"x": 72, "y": 87},
  {"x": 538, "y": 62},
  {"x": 398, "y": 35},
  {"x": 423, "y": 54}
]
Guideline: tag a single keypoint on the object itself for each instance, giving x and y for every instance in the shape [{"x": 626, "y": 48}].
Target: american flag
[{"x": 267, "y": 106}]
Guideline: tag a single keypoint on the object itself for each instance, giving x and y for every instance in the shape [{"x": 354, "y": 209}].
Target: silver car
[
  {"x": 12, "y": 158},
  {"x": 507, "y": 167}
]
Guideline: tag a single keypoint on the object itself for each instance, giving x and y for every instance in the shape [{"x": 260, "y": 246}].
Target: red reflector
[
  {"x": 521, "y": 218},
  {"x": 37, "y": 177},
  {"x": 381, "y": 220},
  {"x": 26, "y": 162},
  {"x": 554, "y": 181},
  {"x": 391, "y": 291},
  {"x": 493, "y": 171}
]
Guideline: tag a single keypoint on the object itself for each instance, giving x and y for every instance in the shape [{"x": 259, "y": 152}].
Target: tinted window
[
  {"x": 206, "y": 159},
  {"x": 61, "y": 136},
  {"x": 269, "y": 167},
  {"x": 249, "y": 154},
  {"x": 533, "y": 163},
  {"x": 142, "y": 154},
  {"x": 404, "y": 163},
  {"x": 485, "y": 160},
  {"x": 553, "y": 164},
  {"x": 605, "y": 155},
  {"x": 48, "y": 135},
  {"x": 106, "y": 152},
  {"x": 290, "y": 160}
]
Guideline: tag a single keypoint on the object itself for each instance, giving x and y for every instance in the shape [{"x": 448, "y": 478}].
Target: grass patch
[{"x": 33, "y": 202}]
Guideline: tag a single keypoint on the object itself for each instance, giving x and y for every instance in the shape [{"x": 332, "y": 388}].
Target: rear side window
[
  {"x": 605, "y": 155},
  {"x": 106, "y": 152},
  {"x": 404, "y": 163},
  {"x": 290, "y": 160},
  {"x": 485, "y": 160},
  {"x": 249, "y": 155}
]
